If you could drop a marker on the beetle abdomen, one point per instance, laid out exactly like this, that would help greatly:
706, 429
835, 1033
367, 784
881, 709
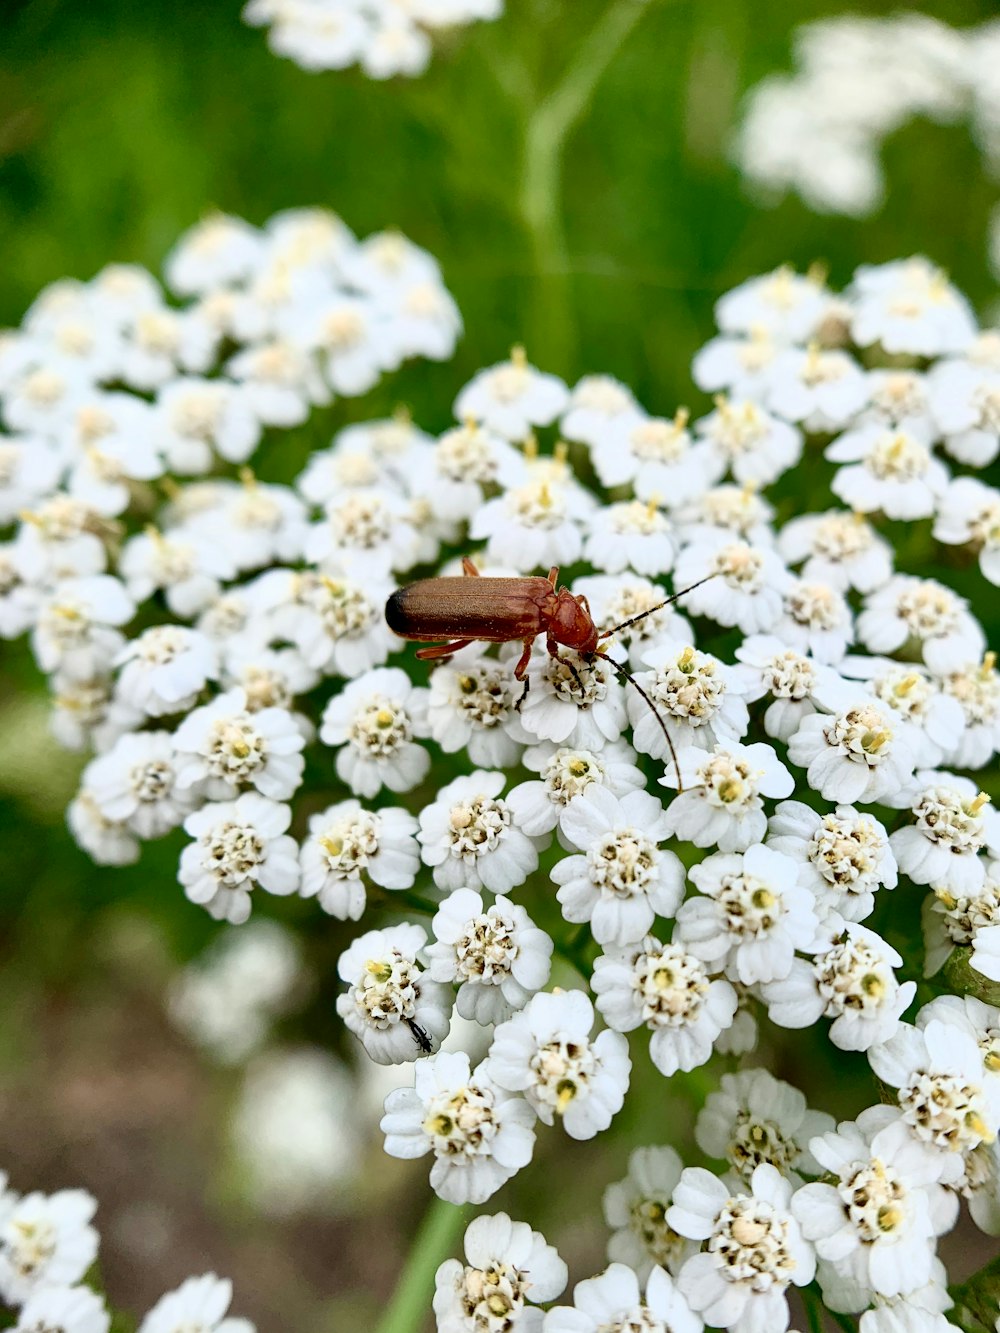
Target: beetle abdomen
497, 610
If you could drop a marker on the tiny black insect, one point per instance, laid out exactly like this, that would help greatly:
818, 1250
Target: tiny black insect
419, 1036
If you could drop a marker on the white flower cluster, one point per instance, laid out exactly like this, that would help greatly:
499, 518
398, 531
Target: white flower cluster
820, 130
47, 1245
384, 37
823, 711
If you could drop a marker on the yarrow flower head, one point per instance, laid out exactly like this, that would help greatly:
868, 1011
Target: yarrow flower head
483, 809
509, 1271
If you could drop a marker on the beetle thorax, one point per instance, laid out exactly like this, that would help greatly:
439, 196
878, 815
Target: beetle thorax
572, 624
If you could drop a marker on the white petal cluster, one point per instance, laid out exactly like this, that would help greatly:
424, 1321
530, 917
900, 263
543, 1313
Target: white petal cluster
734, 817
385, 38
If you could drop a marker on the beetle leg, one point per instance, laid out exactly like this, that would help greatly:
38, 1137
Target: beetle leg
468, 567
553, 575
553, 648
521, 672
442, 649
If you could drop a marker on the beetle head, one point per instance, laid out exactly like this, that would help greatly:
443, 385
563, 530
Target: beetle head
572, 624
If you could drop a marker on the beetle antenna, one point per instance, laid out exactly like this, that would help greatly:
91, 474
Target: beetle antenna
627, 675
634, 620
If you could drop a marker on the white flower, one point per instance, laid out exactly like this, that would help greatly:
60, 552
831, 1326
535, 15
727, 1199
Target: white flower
295, 1131
888, 470
971, 1016
953, 821
976, 686
185, 566
721, 801
564, 773
658, 457
948, 1101
877, 1222
512, 397
498, 955
200, 1303
29, 471
335, 621
573, 700
396, 1008
930, 722
985, 956
816, 619
270, 678
630, 535
239, 844
753, 917
624, 880
374, 719
844, 856
969, 513
46, 1240
213, 253
754, 1117
369, 528
197, 419
820, 389
750, 443
744, 366
471, 706
462, 462
854, 754
65, 1310
668, 989
910, 307
769, 667
346, 842
546, 1052
60, 539
697, 695
635, 1210
755, 1249
108, 842
784, 303
137, 782
744, 584
926, 613
223, 746
965, 405
480, 1134
949, 920
263, 524
614, 1303
75, 626
851, 980
469, 837
507, 1265
18, 598
597, 403
839, 548
227, 1000
279, 380
165, 669
535, 525
736, 511
616, 599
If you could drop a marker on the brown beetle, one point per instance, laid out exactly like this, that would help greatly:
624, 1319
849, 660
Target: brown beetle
471, 609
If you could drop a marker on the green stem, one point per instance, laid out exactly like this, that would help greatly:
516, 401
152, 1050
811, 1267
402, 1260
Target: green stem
410, 1307
541, 187
814, 1313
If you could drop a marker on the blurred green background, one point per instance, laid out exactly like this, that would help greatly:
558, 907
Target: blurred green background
121, 123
